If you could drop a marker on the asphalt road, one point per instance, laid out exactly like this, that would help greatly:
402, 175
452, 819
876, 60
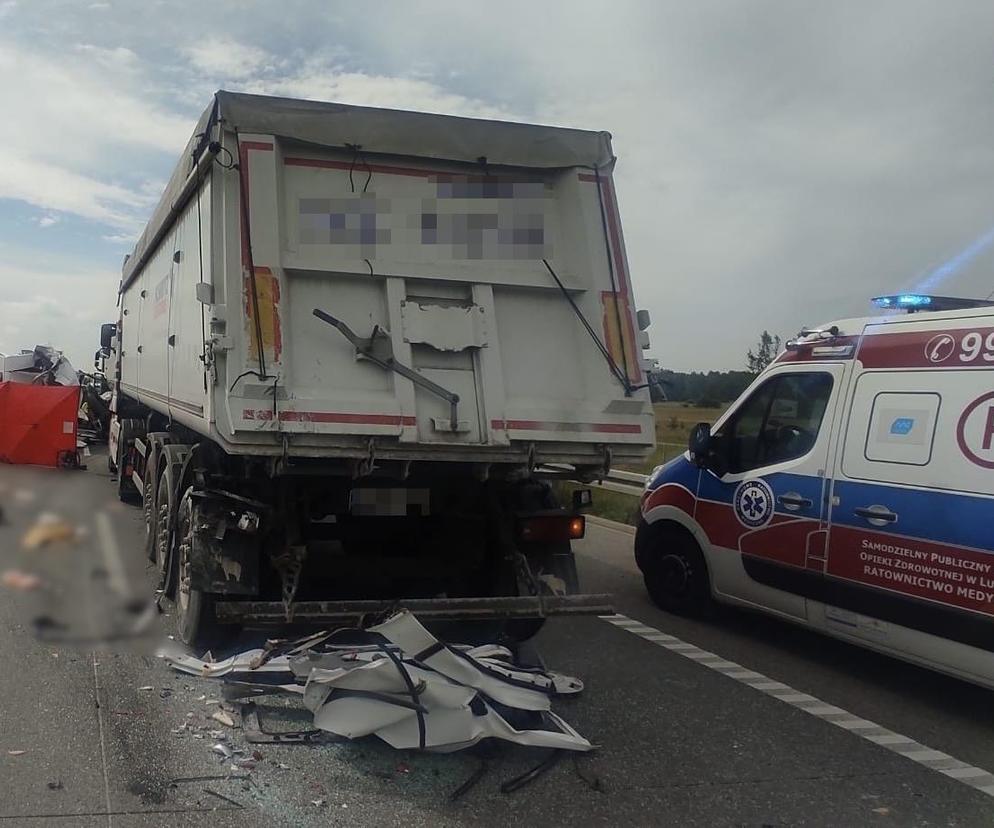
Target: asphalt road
109, 732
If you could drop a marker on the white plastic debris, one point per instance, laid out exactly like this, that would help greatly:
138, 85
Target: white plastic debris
224, 718
414, 693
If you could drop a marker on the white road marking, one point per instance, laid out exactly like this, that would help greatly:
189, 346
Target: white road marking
103, 741
976, 778
117, 578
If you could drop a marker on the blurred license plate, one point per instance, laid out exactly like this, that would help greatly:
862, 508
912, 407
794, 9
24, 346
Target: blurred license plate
388, 502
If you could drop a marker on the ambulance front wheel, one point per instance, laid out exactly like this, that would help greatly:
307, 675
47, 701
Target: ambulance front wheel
673, 568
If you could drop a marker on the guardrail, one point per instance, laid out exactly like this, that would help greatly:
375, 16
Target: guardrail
617, 480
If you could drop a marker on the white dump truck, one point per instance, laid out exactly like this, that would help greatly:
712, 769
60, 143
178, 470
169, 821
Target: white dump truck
353, 346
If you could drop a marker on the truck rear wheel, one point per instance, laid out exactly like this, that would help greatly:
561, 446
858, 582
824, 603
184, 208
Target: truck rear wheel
673, 568
195, 618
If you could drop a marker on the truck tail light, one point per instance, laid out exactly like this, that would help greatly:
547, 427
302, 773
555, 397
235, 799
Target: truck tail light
550, 528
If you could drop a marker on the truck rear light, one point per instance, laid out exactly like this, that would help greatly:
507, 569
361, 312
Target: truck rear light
551, 528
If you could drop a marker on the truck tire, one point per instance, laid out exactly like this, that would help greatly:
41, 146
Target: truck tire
155, 441
673, 568
126, 490
195, 619
164, 514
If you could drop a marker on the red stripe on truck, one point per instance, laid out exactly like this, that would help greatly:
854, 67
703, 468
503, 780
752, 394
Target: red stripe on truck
544, 425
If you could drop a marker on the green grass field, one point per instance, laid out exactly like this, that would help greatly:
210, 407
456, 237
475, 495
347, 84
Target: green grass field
674, 420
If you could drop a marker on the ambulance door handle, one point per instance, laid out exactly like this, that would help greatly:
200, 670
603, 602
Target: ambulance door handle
793, 501
876, 514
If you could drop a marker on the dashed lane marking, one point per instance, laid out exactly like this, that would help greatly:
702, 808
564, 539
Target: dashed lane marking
935, 760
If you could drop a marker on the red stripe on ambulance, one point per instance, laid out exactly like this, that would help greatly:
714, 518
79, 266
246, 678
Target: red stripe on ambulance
950, 575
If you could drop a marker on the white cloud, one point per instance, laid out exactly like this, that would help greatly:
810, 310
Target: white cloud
223, 57
66, 122
7, 7
326, 82
48, 220
73, 109
57, 303
120, 57
51, 187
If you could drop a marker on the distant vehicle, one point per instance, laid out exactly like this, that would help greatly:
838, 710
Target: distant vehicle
348, 338
849, 489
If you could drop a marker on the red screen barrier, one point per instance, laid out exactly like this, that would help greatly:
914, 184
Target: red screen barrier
37, 423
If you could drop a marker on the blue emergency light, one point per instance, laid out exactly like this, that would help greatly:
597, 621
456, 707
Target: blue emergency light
912, 302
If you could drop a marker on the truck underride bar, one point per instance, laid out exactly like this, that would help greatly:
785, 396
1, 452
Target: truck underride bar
435, 609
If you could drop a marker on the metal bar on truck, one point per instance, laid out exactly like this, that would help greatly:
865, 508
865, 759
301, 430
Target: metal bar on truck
526, 606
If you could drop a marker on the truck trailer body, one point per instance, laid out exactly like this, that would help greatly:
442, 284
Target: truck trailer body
349, 337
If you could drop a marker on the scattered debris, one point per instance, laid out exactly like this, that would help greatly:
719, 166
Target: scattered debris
223, 798
470, 783
56, 786
255, 735
214, 777
404, 686
318, 802
146, 689
511, 785
48, 529
224, 718
43, 365
223, 750
16, 752
21, 581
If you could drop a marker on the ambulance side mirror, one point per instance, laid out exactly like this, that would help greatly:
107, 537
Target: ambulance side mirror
699, 443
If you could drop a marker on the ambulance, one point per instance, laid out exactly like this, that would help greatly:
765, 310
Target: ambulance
849, 489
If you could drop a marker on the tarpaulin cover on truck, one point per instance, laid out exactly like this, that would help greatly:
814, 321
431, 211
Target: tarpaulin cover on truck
37, 423
378, 132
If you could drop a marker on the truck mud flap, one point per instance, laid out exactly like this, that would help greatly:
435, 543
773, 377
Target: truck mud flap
433, 609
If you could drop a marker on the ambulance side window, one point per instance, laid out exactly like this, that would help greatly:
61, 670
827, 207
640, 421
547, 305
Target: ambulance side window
778, 422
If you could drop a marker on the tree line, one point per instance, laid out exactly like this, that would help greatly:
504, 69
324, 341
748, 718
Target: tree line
714, 387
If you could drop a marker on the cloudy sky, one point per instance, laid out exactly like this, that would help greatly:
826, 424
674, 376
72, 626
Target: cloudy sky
779, 162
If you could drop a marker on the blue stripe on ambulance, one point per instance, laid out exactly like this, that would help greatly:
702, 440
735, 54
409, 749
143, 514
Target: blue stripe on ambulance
940, 517
805, 485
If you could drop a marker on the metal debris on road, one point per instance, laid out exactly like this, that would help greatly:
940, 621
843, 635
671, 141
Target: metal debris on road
223, 750
223, 798
404, 686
